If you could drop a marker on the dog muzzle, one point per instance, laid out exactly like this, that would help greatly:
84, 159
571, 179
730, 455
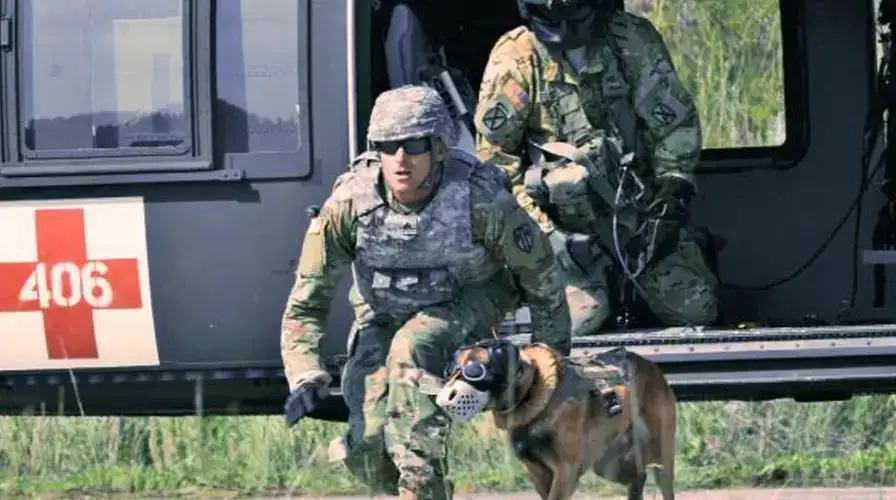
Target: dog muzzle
461, 401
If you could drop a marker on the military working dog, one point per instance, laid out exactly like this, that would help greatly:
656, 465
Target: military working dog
554, 412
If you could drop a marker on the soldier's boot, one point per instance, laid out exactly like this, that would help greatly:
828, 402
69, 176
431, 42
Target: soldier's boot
611, 400
368, 462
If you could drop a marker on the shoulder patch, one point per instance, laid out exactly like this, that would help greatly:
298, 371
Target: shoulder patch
504, 100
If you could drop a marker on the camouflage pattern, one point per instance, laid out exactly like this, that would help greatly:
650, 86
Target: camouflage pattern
411, 111
388, 387
530, 94
397, 435
438, 254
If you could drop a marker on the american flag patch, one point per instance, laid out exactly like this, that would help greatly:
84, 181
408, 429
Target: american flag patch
514, 93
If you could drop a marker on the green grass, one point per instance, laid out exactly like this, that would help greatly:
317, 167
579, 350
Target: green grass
728, 53
720, 444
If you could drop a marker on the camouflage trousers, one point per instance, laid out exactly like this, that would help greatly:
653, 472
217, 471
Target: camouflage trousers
679, 287
397, 440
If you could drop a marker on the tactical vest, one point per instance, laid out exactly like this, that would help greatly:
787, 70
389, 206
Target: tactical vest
405, 262
593, 375
584, 199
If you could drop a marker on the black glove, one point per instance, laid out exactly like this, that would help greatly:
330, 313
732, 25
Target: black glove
668, 213
301, 401
578, 249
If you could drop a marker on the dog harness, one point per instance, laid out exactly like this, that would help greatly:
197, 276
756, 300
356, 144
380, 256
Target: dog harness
559, 379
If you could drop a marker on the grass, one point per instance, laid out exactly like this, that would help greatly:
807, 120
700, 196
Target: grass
729, 54
720, 444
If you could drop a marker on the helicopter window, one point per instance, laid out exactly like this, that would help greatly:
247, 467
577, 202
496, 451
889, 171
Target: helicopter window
261, 111
104, 75
744, 62
257, 75
730, 56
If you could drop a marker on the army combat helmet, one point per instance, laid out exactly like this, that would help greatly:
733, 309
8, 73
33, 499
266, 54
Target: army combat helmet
409, 112
566, 24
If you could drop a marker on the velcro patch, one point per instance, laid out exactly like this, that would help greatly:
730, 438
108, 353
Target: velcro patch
515, 95
668, 113
496, 117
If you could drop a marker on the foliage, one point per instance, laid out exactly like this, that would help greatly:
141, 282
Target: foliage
728, 54
720, 444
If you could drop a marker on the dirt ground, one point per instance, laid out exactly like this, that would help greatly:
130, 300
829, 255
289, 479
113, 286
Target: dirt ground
743, 494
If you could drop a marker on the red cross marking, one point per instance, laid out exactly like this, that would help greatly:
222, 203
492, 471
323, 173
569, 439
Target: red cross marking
66, 286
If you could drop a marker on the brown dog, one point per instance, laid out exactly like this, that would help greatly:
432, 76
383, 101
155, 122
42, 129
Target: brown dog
555, 416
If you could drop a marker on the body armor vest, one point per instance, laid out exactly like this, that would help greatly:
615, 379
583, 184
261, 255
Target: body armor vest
602, 125
405, 262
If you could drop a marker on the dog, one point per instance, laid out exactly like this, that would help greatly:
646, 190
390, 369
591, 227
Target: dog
554, 412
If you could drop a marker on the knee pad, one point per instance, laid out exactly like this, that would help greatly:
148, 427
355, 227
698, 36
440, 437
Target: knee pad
587, 311
588, 322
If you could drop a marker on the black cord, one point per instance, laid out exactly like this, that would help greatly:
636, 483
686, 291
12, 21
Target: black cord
824, 246
872, 129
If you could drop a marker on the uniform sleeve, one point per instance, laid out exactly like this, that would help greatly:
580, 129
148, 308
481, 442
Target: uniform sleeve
327, 253
674, 135
514, 238
503, 113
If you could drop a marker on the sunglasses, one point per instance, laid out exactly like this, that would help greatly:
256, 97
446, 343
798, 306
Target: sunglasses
415, 146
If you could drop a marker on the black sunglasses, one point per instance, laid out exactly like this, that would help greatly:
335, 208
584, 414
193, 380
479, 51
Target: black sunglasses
415, 146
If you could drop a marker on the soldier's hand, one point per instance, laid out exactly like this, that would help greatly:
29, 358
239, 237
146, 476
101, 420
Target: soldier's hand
662, 238
673, 199
576, 249
301, 401
583, 249
669, 212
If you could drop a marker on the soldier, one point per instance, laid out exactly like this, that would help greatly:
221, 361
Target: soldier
582, 89
436, 241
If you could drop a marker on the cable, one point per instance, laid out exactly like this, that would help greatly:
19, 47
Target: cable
872, 129
642, 258
824, 246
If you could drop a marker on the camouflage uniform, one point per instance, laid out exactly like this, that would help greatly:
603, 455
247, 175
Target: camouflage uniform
426, 279
530, 94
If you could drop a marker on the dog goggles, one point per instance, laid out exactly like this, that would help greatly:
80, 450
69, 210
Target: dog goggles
473, 371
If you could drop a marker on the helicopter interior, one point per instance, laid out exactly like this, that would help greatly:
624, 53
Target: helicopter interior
409, 35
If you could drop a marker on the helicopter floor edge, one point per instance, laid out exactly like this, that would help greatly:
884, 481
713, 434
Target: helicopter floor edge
815, 363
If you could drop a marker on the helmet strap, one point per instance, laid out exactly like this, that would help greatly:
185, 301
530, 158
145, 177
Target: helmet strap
437, 166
